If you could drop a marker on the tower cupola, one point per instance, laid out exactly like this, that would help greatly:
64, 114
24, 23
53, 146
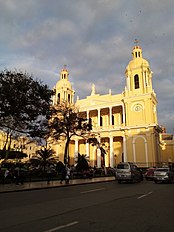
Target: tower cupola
137, 52
138, 74
64, 73
63, 89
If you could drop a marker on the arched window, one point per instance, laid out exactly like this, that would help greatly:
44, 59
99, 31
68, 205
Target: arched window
136, 81
69, 98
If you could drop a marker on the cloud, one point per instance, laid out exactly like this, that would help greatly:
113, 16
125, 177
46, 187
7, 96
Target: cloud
94, 39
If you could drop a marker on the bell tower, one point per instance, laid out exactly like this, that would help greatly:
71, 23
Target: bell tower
63, 89
138, 74
139, 96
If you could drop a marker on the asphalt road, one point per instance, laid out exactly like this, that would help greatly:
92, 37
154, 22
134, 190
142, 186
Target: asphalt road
139, 207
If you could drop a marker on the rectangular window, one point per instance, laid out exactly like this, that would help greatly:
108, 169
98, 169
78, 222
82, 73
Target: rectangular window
112, 119
101, 121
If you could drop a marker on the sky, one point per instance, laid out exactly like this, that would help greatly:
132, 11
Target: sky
94, 38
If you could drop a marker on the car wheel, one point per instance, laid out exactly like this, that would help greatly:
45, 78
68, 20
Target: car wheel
119, 181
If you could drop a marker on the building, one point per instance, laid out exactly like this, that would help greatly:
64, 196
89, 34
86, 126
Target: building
125, 124
167, 147
22, 144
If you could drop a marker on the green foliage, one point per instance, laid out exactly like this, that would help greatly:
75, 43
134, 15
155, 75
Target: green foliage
66, 122
12, 155
24, 103
44, 156
59, 166
82, 163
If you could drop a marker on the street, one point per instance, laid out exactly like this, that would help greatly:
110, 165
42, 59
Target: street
140, 207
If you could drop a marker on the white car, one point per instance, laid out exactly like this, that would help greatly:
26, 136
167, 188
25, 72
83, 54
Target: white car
165, 174
128, 172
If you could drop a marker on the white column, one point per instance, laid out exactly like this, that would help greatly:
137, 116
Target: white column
87, 150
129, 83
76, 150
111, 152
98, 158
147, 80
98, 117
134, 154
119, 119
98, 155
107, 121
93, 156
87, 114
123, 107
110, 116
144, 82
124, 149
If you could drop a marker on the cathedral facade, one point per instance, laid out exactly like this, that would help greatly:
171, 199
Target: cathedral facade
125, 124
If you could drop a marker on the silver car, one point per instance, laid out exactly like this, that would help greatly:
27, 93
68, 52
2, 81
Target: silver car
128, 172
165, 174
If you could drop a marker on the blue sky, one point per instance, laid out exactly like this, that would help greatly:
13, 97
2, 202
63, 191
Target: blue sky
94, 38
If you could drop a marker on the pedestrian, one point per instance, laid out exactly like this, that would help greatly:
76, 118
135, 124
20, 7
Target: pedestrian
6, 175
63, 174
17, 175
68, 173
22, 175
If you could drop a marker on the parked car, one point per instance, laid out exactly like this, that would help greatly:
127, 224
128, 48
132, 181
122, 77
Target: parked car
128, 172
164, 174
149, 174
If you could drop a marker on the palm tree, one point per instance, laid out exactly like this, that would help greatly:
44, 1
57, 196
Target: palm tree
82, 163
44, 156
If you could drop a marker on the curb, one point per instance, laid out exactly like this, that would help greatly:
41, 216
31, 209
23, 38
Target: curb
53, 186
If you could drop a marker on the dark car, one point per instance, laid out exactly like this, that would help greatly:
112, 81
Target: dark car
149, 174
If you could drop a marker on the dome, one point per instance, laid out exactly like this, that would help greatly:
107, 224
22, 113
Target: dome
63, 83
137, 61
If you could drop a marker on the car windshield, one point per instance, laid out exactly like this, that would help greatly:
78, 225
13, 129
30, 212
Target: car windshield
162, 169
151, 170
122, 166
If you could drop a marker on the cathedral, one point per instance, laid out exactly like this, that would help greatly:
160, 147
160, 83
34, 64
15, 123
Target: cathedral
125, 124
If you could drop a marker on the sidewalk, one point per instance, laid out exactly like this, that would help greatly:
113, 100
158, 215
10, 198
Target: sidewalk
28, 186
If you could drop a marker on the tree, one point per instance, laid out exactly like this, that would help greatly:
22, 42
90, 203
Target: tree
12, 155
24, 104
82, 163
44, 156
67, 122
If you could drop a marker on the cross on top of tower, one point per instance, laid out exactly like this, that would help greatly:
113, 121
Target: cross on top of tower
64, 67
136, 42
